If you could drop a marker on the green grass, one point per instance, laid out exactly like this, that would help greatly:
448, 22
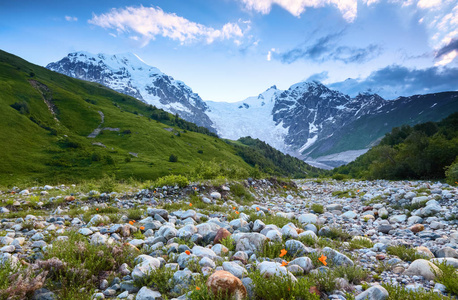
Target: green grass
282, 287
359, 243
448, 276
406, 254
318, 208
38, 149
229, 243
81, 263
344, 194
160, 279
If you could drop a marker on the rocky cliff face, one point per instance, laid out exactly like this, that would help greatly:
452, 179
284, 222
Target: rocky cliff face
127, 74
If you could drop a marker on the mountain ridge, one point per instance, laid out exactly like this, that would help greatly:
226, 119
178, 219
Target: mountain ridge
308, 120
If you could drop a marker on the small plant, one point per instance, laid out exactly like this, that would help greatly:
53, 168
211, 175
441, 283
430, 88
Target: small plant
273, 250
448, 277
318, 208
172, 180
324, 280
228, 243
135, 213
354, 274
361, 242
160, 279
173, 157
282, 287
404, 253
239, 191
337, 233
338, 176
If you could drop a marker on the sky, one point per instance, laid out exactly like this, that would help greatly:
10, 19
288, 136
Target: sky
228, 50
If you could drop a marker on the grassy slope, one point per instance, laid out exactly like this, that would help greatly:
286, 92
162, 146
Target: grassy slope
33, 152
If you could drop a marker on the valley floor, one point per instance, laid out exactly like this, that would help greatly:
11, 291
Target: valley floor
256, 239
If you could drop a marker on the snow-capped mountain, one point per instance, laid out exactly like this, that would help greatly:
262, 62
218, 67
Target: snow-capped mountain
322, 126
128, 74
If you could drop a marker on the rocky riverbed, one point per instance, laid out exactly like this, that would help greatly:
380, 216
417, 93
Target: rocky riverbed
315, 238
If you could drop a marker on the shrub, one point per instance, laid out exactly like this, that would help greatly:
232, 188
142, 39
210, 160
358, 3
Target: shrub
281, 287
200, 151
134, 213
172, 180
318, 208
96, 156
107, 184
448, 277
359, 243
451, 173
21, 107
404, 253
337, 233
173, 158
354, 274
338, 176
228, 243
160, 279
272, 250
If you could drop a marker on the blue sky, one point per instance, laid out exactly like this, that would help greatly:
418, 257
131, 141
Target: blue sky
228, 50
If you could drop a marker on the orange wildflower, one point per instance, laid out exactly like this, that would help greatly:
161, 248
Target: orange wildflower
187, 252
283, 252
323, 259
131, 223
233, 207
284, 263
357, 191
142, 227
190, 204
257, 208
284, 186
96, 209
237, 212
197, 288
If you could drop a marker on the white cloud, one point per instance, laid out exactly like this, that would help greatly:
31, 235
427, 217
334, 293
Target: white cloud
429, 3
446, 59
71, 19
269, 54
348, 8
149, 22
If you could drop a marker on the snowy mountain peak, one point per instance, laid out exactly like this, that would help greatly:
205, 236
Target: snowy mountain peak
128, 74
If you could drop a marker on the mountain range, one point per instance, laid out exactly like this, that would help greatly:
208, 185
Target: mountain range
321, 126
59, 129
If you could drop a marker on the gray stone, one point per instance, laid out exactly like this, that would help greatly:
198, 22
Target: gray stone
308, 218
422, 267
447, 252
349, 215
249, 241
235, 269
376, 292
147, 294
304, 262
215, 195
398, 218
295, 248
334, 206
337, 258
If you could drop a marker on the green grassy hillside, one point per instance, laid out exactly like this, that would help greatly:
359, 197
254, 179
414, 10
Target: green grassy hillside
47, 117
425, 151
